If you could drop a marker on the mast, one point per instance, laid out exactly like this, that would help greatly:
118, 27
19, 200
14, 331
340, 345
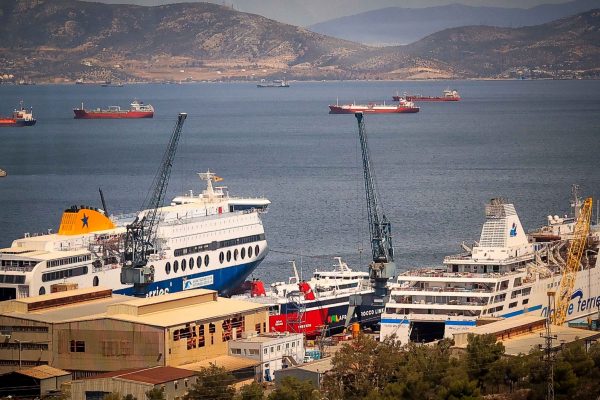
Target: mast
141, 233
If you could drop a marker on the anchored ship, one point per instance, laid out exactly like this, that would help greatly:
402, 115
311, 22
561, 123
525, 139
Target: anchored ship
20, 117
449, 95
278, 83
373, 108
505, 274
137, 110
208, 240
317, 306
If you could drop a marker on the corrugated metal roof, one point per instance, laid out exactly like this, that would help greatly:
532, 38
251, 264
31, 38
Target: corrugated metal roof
323, 365
157, 375
230, 363
43, 372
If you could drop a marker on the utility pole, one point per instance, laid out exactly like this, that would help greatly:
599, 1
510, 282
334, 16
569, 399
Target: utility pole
548, 356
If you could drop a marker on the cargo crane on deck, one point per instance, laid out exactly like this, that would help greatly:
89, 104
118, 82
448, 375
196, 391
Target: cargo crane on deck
140, 236
567, 282
382, 266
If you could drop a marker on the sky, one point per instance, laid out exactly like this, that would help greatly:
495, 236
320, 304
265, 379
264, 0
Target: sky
307, 12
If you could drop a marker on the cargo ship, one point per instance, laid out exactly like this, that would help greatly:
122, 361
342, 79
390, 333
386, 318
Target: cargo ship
318, 306
20, 117
204, 240
137, 110
403, 106
273, 84
504, 274
449, 95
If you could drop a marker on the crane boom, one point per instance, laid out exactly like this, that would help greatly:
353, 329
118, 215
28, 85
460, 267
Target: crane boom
567, 282
141, 233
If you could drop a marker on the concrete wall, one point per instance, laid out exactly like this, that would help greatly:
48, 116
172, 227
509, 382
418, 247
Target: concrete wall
55, 383
300, 374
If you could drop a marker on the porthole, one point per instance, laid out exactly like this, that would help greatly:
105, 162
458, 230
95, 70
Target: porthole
256, 250
221, 257
191, 262
42, 290
168, 268
243, 253
199, 261
235, 254
96, 281
183, 264
249, 251
228, 255
175, 266
206, 260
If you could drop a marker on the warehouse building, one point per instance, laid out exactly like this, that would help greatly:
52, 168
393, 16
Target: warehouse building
91, 331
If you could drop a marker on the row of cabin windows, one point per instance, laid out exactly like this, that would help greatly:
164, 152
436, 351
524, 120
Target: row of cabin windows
7, 329
242, 254
186, 263
65, 273
218, 245
17, 263
68, 260
19, 279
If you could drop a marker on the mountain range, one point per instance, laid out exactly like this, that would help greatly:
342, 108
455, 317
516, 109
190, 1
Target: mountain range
397, 25
64, 40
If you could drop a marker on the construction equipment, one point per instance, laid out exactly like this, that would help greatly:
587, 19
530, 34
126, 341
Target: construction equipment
382, 267
567, 282
141, 233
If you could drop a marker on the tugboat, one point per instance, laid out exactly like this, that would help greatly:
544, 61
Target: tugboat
403, 106
449, 95
20, 117
137, 110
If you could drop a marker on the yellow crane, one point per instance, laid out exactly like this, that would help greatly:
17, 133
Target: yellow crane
567, 282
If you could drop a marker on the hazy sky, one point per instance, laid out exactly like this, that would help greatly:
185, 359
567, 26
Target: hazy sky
307, 12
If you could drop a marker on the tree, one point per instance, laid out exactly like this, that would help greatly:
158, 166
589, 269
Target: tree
129, 397
213, 383
253, 391
291, 388
482, 351
112, 396
156, 394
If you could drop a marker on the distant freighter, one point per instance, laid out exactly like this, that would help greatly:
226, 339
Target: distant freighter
372, 108
20, 117
449, 95
137, 110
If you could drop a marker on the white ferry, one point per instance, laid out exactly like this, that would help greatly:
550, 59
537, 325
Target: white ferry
209, 240
506, 273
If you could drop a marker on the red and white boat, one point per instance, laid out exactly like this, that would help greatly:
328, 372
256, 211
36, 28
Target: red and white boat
403, 106
137, 110
20, 117
316, 306
449, 95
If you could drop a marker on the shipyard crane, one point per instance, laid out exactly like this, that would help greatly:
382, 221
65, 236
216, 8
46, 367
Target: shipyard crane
140, 236
382, 266
567, 282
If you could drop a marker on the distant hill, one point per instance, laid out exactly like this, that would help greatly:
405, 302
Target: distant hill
396, 25
64, 40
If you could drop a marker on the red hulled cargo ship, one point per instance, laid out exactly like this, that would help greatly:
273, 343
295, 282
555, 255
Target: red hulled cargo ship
372, 108
137, 110
449, 95
318, 306
20, 117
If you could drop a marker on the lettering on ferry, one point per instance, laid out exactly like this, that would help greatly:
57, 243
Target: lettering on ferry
157, 292
196, 283
578, 304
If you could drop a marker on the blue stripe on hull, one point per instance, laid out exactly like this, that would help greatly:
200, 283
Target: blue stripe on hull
224, 280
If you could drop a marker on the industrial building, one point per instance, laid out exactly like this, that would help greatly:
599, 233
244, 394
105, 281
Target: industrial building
91, 331
313, 372
33, 382
275, 351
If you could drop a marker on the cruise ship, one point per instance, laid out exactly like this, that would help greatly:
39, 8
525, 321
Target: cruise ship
207, 240
505, 274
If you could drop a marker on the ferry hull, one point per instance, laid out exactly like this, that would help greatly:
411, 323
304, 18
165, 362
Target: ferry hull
83, 114
10, 122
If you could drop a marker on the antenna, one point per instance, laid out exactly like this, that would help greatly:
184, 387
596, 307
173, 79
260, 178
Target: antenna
103, 202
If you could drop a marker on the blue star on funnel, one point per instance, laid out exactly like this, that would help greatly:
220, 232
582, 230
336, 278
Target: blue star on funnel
85, 221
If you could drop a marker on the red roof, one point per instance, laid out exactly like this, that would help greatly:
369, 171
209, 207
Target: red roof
155, 375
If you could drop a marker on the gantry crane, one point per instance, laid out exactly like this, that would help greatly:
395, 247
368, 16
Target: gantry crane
567, 282
382, 266
140, 236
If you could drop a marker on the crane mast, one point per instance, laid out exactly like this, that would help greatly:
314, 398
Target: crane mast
382, 266
567, 282
140, 236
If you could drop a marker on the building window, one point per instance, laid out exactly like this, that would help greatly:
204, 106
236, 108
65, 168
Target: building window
201, 336
293, 344
243, 253
287, 345
221, 257
175, 266
77, 346
236, 351
257, 328
183, 264
206, 260
191, 262
168, 268
228, 255
266, 351
278, 347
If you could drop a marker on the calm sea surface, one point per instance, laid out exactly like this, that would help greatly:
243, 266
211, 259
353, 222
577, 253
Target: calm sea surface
527, 141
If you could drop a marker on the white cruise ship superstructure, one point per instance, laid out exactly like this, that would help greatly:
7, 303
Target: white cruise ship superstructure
506, 273
208, 240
